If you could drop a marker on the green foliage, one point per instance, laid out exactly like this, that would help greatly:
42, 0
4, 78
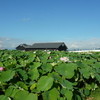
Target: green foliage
52, 94
5, 76
33, 74
44, 83
67, 93
3, 97
42, 75
66, 70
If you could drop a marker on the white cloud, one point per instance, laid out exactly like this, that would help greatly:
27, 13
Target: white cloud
11, 43
0, 44
84, 44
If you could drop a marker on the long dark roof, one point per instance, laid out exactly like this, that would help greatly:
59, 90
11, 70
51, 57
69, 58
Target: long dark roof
47, 45
25, 45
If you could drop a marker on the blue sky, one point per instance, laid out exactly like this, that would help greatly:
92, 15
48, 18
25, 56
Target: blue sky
70, 21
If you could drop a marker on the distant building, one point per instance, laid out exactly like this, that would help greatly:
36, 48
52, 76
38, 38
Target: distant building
23, 47
43, 46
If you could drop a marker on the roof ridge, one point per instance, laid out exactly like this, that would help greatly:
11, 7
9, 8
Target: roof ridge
49, 42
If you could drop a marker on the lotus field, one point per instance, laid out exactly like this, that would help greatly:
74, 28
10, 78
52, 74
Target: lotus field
49, 75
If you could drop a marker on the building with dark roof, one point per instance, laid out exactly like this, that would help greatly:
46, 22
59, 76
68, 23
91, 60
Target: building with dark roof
43, 46
23, 46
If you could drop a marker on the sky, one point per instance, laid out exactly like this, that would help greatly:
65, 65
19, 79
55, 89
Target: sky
75, 22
